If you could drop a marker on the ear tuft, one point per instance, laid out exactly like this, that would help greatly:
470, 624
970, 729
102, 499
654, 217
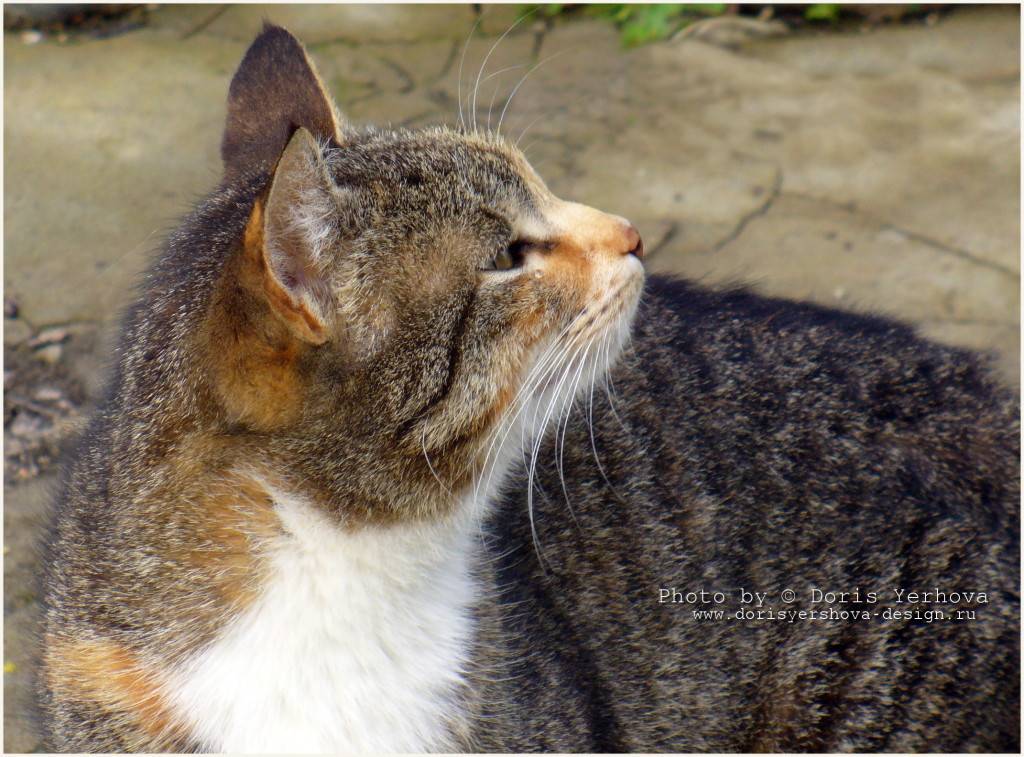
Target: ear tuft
275, 91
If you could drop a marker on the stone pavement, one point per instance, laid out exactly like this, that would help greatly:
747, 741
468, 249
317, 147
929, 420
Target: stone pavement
874, 171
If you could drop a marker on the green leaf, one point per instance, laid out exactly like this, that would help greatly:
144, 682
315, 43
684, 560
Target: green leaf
822, 12
640, 23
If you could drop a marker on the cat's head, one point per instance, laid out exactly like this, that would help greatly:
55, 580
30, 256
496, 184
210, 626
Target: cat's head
399, 296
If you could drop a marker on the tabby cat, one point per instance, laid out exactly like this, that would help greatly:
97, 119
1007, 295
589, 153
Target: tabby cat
336, 498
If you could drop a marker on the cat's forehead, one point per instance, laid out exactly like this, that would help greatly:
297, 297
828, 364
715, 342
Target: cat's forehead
440, 157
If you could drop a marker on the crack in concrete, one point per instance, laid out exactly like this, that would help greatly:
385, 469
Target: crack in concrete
202, 25
954, 251
935, 244
408, 83
448, 64
670, 234
759, 211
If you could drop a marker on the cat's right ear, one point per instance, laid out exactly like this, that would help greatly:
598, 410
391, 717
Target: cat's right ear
275, 91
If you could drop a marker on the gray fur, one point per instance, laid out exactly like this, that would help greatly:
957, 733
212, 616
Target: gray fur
765, 444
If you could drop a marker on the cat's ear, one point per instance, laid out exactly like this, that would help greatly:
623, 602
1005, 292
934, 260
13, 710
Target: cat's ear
287, 237
275, 91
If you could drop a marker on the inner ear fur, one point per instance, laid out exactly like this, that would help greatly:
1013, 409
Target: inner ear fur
275, 91
286, 237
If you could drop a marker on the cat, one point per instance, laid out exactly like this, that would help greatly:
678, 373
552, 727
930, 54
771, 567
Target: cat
337, 497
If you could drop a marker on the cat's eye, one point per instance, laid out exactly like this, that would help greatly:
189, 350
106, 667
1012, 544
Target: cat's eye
511, 257
502, 261
514, 256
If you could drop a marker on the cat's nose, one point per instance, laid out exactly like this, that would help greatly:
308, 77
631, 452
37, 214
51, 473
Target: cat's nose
629, 242
634, 243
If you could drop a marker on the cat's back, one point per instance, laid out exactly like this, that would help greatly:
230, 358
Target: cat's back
819, 400
760, 444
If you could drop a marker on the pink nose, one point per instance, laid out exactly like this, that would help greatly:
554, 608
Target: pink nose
633, 244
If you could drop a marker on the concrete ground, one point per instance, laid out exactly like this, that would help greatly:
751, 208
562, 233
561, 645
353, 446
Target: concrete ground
874, 171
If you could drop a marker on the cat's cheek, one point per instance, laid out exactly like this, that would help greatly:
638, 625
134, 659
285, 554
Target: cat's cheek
562, 282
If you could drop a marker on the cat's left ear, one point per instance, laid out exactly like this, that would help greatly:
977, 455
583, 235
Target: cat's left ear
275, 91
288, 237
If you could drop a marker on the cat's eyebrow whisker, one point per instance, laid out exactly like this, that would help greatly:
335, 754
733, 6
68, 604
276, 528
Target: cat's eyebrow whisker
483, 66
523, 80
501, 71
529, 126
462, 61
490, 105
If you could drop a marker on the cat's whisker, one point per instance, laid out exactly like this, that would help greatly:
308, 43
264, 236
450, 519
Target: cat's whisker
570, 343
551, 360
611, 406
483, 66
541, 374
580, 344
606, 378
571, 400
568, 105
533, 377
605, 354
512, 422
538, 440
426, 456
494, 94
557, 395
462, 61
539, 367
559, 362
522, 81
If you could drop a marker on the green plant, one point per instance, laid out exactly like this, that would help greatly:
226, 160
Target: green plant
823, 12
641, 23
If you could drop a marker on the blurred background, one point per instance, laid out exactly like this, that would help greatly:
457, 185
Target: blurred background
864, 157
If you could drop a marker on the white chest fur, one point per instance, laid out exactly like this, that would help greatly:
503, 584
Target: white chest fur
358, 643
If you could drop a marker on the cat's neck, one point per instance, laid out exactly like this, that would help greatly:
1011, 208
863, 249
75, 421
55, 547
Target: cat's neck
386, 612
